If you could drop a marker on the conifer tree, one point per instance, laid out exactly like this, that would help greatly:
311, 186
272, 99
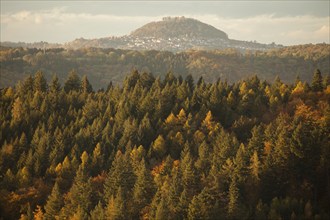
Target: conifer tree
194, 210
116, 207
80, 200
86, 87
54, 203
38, 213
121, 175
40, 83
98, 213
144, 187
233, 195
54, 86
162, 210
317, 82
72, 83
159, 147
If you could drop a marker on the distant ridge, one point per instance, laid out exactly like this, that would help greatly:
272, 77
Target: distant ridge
170, 34
179, 27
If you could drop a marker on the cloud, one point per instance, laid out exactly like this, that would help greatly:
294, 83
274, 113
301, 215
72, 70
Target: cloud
59, 25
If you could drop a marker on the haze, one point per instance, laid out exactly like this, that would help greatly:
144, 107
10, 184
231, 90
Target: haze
287, 23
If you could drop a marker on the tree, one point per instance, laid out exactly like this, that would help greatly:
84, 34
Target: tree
26, 87
55, 86
189, 176
97, 159
233, 195
80, 194
317, 82
98, 213
261, 211
17, 110
202, 205
40, 83
86, 87
121, 175
38, 213
54, 203
190, 81
159, 147
162, 210
72, 83
143, 188
116, 207
194, 210
255, 166
256, 142
203, 162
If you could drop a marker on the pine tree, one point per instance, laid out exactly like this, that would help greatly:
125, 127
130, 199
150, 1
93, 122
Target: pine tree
159, 147
203, 162
255, 166
54, 86
143, 189
317, 82
175, 190
72, 83
97, 160
17, 110
194, 210
189, 176
116, 207
79, 214
121, 175
86, 87
202, 205
256, 142
80, 194
40, 83
233, 195
26, 88
38, 213
162, 210
98, 213
54, 203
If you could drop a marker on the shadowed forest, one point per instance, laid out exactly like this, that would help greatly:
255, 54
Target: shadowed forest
104, 65
167, 148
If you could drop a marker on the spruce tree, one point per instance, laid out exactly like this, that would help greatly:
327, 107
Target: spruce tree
144, 187
54, 203
40, 83
86, 87
98, 213
73, 82
317, 81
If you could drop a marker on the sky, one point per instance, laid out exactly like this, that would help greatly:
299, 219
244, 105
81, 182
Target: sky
282, 22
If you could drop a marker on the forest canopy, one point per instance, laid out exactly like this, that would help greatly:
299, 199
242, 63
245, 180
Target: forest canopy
105, 65
165, 148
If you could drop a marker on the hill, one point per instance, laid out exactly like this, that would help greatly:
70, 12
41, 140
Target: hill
179, 27
174, 34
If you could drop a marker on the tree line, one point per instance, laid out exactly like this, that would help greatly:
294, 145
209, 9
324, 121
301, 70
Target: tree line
105, 65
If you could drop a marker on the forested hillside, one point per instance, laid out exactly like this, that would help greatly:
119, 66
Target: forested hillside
105, 65
166, 148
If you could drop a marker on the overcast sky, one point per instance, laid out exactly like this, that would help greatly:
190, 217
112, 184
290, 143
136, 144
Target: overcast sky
282, 22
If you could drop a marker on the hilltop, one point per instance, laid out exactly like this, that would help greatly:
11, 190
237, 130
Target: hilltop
178, 27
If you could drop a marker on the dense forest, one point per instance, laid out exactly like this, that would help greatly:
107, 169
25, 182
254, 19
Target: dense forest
167, 148
104, 65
